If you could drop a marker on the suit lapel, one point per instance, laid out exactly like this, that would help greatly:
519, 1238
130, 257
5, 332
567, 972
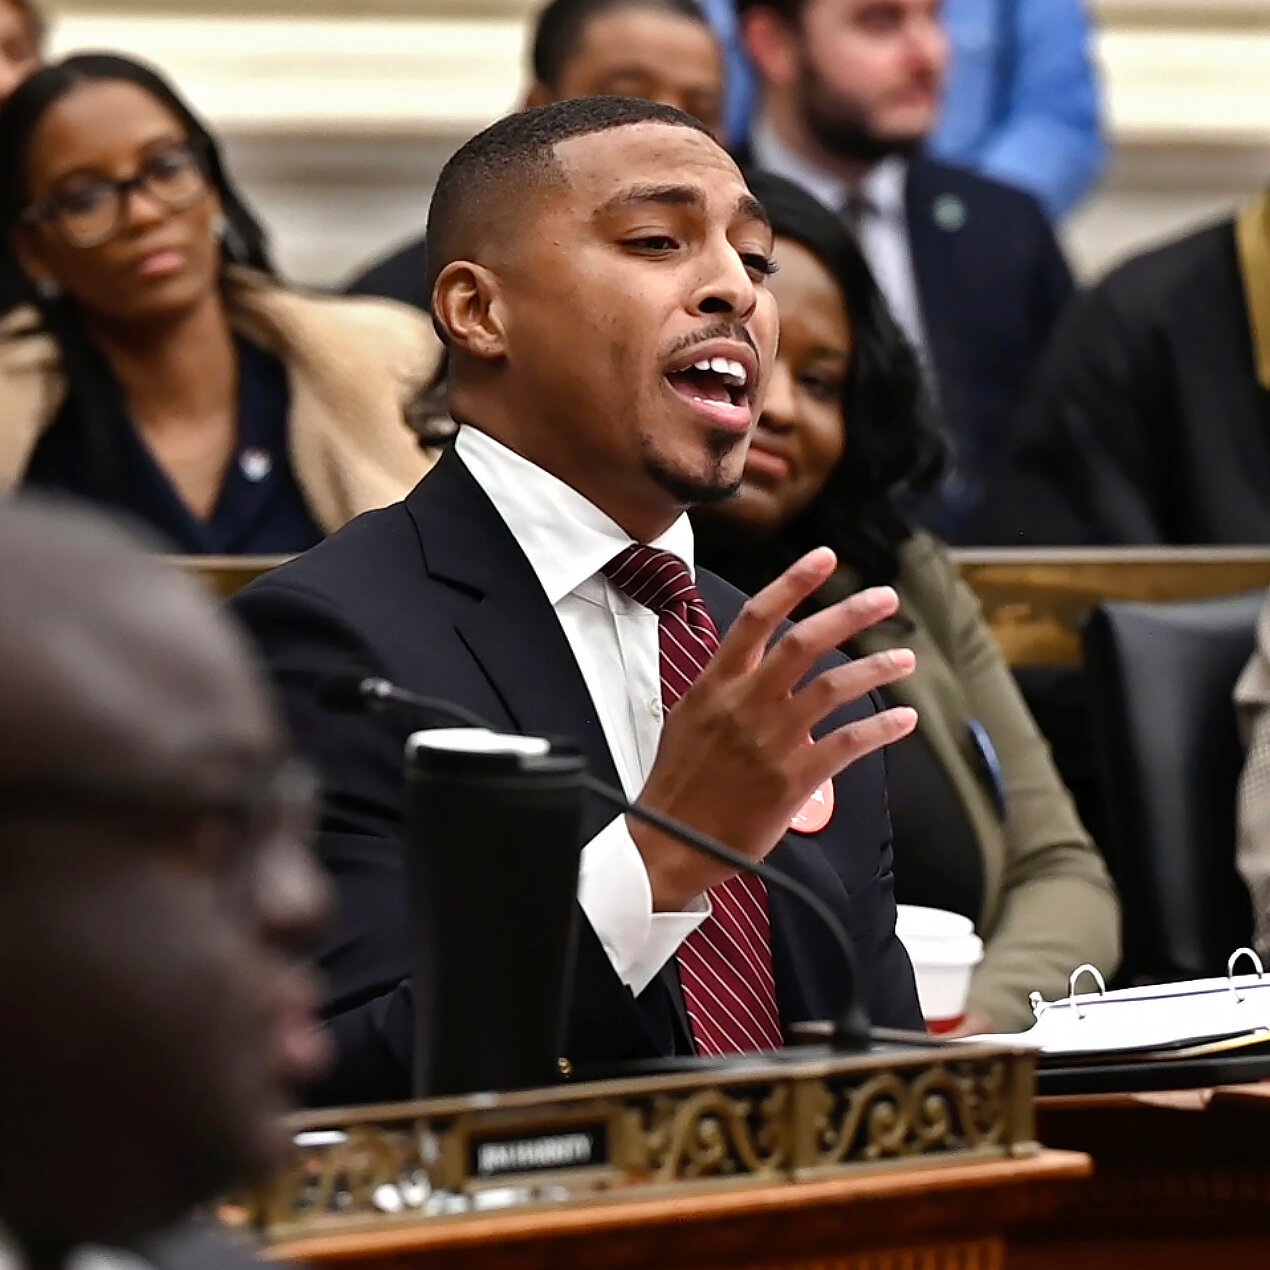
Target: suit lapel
510, 627
515, 638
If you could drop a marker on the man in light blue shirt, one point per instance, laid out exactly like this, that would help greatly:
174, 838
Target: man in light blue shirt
1021, 102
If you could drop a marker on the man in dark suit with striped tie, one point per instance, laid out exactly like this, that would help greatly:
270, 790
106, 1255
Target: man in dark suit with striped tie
598, 270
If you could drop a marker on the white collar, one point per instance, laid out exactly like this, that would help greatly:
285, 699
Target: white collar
883, 186
566, 538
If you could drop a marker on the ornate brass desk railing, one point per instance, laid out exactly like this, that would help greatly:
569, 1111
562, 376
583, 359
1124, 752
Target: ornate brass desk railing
807, 1114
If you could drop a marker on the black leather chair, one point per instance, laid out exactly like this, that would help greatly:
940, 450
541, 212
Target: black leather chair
1165, 735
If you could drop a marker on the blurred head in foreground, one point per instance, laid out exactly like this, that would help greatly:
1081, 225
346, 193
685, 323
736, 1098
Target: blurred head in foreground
156, 894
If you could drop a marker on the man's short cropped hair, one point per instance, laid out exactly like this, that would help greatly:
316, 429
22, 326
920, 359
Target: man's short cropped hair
562, 26
487, 187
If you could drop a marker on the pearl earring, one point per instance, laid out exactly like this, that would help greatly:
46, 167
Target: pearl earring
49, 288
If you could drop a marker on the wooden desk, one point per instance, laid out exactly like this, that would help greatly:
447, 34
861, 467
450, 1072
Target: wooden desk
1035, 601
956, 1217
1180, 1180
227, 575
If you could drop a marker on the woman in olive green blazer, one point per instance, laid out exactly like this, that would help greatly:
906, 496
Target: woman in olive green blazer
983, 825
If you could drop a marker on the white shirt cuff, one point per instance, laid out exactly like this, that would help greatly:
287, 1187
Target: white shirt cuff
616, 896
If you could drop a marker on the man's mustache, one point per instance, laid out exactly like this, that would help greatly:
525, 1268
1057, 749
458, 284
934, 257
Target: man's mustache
717, 331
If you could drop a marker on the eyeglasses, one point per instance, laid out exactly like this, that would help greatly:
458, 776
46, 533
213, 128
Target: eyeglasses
280, 804
90, 211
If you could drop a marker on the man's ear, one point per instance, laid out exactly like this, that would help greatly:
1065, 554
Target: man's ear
538, 95
467, 304
772, 44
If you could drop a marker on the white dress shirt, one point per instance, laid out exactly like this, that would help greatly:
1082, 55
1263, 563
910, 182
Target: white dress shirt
568, 540
882, 229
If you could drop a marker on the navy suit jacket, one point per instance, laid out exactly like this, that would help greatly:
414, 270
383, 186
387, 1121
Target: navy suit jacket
992, 281
435, 594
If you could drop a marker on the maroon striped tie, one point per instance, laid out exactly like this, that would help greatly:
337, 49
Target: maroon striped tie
725, 965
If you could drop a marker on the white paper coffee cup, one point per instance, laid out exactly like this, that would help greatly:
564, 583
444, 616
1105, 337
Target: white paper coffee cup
944, 951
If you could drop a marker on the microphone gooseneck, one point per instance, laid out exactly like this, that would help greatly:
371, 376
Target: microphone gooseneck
353, 691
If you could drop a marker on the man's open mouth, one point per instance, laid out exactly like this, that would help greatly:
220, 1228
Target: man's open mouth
713, 380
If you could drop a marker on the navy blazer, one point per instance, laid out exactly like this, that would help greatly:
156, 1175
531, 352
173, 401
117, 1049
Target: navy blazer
992, 281
435, 594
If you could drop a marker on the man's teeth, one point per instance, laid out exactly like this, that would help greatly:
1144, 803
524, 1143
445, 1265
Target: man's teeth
724, 367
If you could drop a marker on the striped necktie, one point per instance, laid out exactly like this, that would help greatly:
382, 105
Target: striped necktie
725, 965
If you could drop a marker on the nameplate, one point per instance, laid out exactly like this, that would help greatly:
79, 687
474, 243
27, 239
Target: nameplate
582, 1148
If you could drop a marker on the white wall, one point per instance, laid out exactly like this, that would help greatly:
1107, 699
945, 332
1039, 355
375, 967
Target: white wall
339, 113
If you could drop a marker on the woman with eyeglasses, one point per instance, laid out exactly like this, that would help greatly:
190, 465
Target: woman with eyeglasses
158, 366
844, 447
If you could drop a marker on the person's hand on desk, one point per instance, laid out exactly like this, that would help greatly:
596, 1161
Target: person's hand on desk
736, 760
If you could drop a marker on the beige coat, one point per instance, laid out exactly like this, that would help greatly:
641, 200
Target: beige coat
353, 368
1048, 902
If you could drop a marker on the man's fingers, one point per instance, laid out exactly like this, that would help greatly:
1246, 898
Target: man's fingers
835, 688
801, 647
854, 741
743, 646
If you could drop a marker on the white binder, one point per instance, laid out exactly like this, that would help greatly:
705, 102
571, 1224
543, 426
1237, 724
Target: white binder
1169, 1020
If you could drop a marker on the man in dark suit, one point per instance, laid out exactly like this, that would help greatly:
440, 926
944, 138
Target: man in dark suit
971, 267
661, 50
155, 889
598, 273
1150, 421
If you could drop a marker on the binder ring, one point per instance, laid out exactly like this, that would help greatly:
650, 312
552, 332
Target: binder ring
1087, 969
1234, 961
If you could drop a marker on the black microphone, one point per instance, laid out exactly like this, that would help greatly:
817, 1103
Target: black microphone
351, 692
851, 1031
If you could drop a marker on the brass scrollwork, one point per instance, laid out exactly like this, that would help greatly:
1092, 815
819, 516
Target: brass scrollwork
712, 1134
368, 1172
775, 1122
891, 1116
